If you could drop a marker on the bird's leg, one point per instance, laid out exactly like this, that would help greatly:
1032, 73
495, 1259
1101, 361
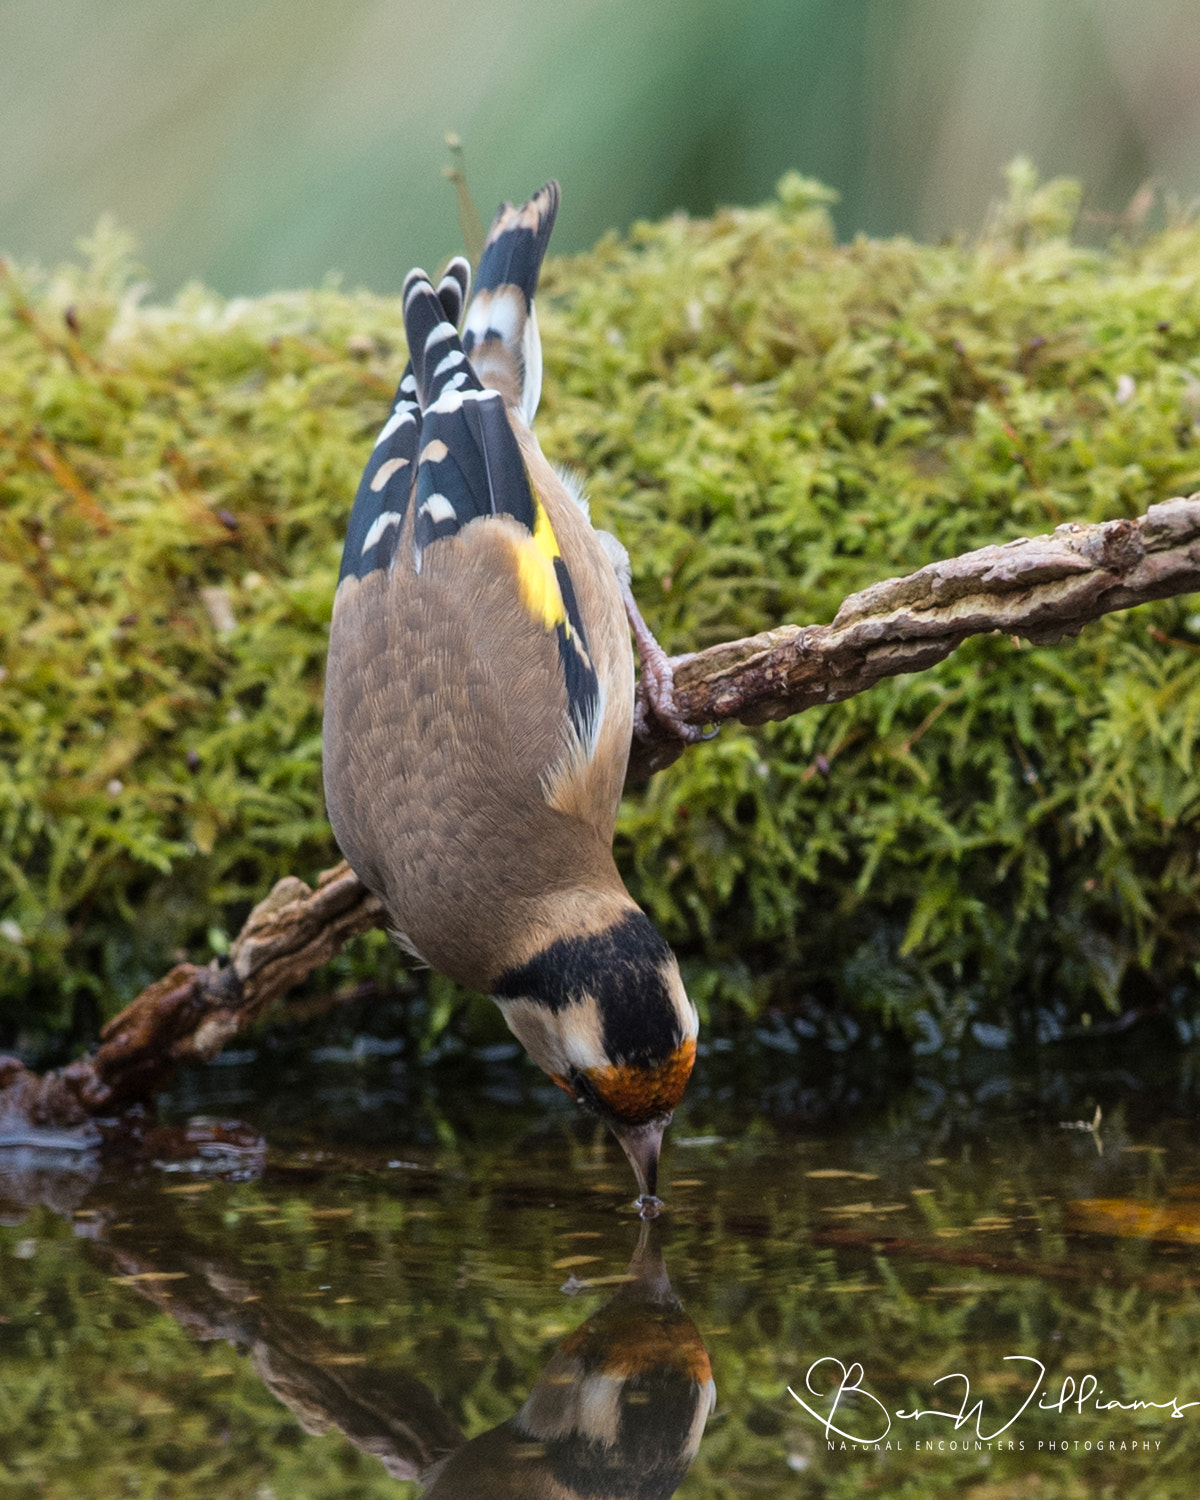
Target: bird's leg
659, 730
656, 678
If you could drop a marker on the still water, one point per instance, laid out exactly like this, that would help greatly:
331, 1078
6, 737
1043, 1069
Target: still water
393, 1279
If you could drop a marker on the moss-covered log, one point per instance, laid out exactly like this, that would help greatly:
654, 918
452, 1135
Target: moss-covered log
192, 1012
770, 422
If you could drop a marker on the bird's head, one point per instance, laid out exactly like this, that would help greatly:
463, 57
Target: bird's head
605, 1014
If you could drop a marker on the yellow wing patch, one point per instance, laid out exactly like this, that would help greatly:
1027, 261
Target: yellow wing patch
536, 577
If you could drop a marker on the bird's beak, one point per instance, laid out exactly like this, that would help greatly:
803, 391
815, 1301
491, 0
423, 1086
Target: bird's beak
641, 1144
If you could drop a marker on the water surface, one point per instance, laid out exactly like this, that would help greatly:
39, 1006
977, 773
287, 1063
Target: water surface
435, 1277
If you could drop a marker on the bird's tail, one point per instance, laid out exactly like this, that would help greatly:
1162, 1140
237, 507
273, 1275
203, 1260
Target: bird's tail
501, 332
381, 503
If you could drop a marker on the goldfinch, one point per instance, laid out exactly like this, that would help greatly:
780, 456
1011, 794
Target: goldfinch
618, 1412
479, 706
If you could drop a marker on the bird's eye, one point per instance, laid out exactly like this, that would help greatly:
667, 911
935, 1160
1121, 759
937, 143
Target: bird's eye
586, 1091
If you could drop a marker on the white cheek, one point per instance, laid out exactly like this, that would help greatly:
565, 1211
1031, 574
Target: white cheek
561, 1044
579, 1026
689, 1019
527, 1022
600, 1407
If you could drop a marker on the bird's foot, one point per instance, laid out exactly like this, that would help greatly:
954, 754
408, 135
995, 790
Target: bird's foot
648, 1205
654, 706
655, 709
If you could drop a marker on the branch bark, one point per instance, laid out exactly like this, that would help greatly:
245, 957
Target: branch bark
192, 1012
1042, 588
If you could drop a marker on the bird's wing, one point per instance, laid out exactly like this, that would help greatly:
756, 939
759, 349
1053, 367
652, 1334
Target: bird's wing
377, 517
501, 333
470, 469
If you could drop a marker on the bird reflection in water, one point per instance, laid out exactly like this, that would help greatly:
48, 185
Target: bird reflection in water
617, 1412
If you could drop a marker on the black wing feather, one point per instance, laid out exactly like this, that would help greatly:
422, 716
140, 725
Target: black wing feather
516, 244
381, 502
470, 464
470, 467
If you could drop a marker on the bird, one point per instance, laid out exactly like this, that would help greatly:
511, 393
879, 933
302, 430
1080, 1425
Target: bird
480, 701
618, 1411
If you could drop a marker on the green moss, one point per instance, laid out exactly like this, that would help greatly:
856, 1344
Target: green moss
769, 421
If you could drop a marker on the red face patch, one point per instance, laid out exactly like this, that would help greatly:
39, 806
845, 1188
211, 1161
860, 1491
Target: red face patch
636, 1095
628, 1339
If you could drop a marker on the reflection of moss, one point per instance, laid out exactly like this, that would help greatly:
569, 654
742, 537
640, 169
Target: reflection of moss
453, 1279
102, 1388
769, 421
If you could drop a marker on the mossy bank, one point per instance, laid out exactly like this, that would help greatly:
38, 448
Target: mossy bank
1005, 845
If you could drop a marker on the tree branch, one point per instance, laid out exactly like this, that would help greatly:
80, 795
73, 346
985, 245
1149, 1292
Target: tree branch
190, 1014
1043, 588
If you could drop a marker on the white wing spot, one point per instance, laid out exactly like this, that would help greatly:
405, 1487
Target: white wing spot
378, 527
394, 424
433, 452
450, 400
439, 333
438, 509
385, 472
455, 357
414, 284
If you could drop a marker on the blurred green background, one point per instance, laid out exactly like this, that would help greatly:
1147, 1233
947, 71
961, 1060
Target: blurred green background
256, 144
